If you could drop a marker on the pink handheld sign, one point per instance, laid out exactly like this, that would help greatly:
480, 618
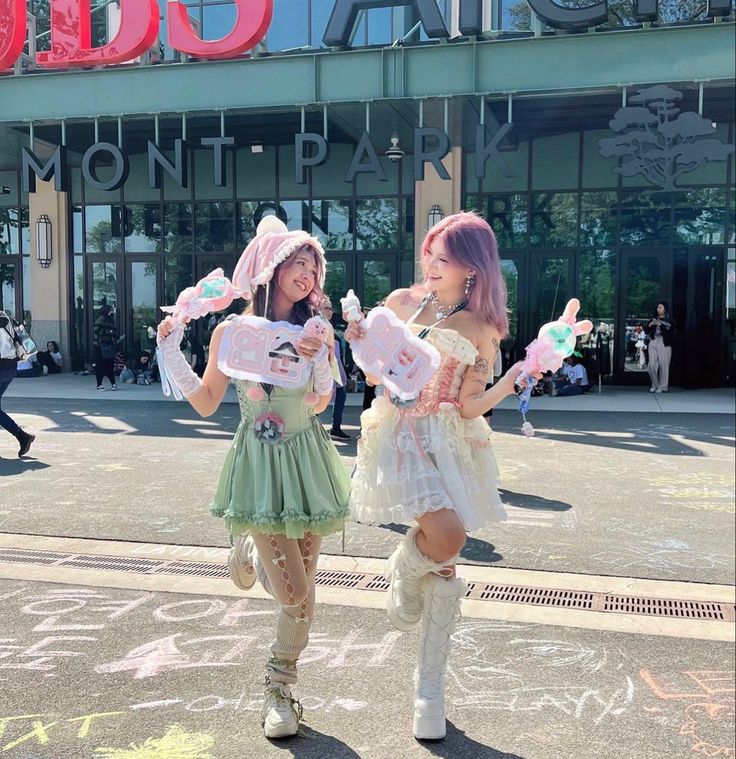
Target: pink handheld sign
403, 362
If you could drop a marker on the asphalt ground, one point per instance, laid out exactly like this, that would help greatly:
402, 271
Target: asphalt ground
639, 495
100, 673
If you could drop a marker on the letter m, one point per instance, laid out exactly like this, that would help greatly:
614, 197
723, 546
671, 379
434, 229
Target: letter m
55, 167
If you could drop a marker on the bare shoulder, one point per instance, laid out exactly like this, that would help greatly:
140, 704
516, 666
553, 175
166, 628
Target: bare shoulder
483, 335
403, 302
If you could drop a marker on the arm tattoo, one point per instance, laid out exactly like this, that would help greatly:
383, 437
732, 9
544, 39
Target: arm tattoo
495, 342
407, 300
481, 366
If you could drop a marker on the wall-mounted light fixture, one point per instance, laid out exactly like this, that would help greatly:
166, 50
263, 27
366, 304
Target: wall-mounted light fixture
435, 216
44, 252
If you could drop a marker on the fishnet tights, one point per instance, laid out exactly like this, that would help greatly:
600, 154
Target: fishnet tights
290, 566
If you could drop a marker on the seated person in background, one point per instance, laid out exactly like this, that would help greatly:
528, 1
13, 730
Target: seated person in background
196, 349
574, 379
127, 375
28, 367
142, 369
50, 360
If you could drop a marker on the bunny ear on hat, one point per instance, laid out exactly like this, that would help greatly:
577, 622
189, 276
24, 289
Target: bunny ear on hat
250, 263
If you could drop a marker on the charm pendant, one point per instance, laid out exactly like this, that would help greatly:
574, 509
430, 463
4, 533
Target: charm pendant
396, 401
269, 428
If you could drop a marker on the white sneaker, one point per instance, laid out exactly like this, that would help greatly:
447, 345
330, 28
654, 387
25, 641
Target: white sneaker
652, 389
280, 713
658, 390
240, 562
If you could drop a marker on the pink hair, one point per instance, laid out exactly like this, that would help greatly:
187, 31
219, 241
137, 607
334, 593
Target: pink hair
469, 241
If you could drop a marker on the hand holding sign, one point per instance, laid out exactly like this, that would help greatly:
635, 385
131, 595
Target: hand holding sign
389, 350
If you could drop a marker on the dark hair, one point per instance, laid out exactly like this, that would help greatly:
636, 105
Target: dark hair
55, 344
303, 309
105, 309
666, 307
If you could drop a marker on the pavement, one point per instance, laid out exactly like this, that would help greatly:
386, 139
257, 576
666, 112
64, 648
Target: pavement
101, 656
609, 398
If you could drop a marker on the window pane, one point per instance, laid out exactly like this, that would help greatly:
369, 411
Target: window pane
598, 218
596, 285
178, 227
215, 226
555, 162
376, 282
143, 229
143, 276
379, 26
377, 223
9, 232
177, 276
297, 214
104, 286
551, 289
554, 219
700, 217
103, 229
407, 237
7, 289
515, 15
646, 218
336, 281
331, 224
79, 345
510, 273
77, 231
507, 215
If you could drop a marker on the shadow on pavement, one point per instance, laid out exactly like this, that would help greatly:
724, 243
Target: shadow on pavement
311, 744
10, 467
526, 501
457, 744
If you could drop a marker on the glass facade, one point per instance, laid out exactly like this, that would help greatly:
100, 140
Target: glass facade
15, 247
619, 248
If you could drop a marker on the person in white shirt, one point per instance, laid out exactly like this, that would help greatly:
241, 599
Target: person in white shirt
575, 377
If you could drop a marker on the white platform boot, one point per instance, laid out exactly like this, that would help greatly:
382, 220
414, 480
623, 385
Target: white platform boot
280, 712
406, 569
441, 614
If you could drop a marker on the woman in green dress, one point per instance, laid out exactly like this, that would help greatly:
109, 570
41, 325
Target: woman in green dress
283, 485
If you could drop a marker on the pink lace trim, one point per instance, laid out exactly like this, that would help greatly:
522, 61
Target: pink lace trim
442, 389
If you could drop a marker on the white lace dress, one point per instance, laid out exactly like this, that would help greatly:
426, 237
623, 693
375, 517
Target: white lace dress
427, 457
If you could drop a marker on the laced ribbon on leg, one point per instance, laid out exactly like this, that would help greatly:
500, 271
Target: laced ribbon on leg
309, 547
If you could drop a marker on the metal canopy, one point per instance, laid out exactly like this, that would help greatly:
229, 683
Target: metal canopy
532, 65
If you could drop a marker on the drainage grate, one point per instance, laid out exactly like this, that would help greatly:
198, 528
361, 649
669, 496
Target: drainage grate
567, 599
665, 607
519, 594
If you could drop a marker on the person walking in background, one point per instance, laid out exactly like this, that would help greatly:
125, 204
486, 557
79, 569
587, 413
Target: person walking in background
105, 344
660, 348
8, 363
341, 393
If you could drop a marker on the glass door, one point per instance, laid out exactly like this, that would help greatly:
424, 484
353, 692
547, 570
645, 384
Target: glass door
551, 279
105, 283
142, 298
697, 308
512, 270
376, 278
644, 279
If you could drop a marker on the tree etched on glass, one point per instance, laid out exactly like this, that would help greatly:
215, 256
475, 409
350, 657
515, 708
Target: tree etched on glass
658, 142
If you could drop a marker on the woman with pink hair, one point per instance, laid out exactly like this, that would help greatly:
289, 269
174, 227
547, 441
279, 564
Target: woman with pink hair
431, 464
283, 485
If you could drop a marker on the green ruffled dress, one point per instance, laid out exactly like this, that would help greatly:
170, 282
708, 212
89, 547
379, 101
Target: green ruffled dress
287, 488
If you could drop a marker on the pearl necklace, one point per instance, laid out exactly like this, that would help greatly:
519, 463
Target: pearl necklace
442, 312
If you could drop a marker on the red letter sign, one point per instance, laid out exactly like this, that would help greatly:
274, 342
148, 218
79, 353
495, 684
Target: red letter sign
251, 25
71, 34
12, 31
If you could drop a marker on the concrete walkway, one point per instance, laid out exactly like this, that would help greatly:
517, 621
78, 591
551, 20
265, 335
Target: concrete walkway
621, 399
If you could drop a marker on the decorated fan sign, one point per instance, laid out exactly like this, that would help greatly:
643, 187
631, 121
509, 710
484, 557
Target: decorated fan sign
214, 292
256, 349
403, 362
555, 342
